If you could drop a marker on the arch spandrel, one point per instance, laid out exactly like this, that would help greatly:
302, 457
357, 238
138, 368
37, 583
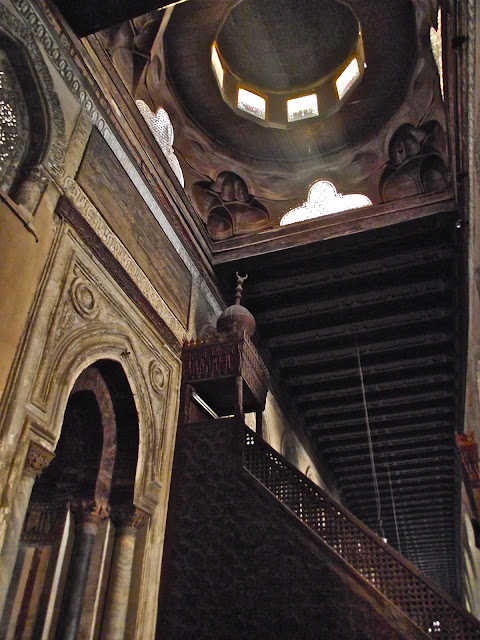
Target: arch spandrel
68, 334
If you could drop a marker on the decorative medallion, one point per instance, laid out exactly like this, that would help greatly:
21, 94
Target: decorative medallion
83, 299
157, 375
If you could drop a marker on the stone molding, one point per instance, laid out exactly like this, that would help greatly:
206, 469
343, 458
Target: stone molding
93, 217
82, 315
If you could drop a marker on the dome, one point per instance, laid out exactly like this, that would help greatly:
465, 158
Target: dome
236, 318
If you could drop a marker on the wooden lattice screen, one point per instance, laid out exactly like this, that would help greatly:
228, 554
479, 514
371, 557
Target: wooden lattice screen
404, 585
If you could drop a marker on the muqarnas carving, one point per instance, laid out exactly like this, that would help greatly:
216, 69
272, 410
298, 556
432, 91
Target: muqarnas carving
416, 162
227, 208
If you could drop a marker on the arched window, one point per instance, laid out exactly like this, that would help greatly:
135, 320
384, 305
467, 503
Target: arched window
322, 200
14, 126
436, 45
160, 125
32, 127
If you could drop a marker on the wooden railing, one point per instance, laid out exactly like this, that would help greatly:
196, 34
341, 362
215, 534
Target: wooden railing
396, 578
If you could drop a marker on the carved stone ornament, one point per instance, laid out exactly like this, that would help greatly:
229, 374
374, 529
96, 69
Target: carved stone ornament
53, 155
127, 515
416, 162
32, 187
468, 448
83, 299
90, 510
227, 208
37, 459
158, 378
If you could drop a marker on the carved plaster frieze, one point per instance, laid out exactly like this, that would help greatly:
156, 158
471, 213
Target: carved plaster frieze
77, 144
72, 79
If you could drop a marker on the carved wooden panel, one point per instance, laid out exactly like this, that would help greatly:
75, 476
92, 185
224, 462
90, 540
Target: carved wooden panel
235, 569
209, 364
107, 184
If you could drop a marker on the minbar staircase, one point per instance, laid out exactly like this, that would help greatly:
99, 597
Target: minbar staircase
254, 548
385, 569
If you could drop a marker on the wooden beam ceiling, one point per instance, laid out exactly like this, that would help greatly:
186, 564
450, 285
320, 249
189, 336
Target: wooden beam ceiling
396, 291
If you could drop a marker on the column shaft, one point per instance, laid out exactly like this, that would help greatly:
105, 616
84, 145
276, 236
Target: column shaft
116, 605
12, 535
69, 621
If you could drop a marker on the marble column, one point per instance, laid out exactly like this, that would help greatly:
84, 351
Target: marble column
127, 521
37, 459
88, 514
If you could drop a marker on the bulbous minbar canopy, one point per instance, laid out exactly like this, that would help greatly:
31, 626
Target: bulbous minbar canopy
236, 318
272, 66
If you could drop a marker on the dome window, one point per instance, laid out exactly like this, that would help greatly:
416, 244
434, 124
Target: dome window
252, 103
347, 78
302, 107
217, 66
273, 80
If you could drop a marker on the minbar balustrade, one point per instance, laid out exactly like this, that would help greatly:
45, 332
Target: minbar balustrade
396, 578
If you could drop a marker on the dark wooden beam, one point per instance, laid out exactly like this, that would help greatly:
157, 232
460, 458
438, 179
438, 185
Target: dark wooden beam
292, 336
332, 226
333, 435
359, 301
338, 456
87, 17
275, 283
414, 365
368, 347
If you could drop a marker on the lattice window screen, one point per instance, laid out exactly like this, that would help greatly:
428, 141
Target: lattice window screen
14, 124
322, 200
162, 129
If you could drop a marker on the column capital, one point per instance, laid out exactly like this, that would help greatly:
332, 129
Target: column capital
90, 510
38, 457
128, 515
468, 449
